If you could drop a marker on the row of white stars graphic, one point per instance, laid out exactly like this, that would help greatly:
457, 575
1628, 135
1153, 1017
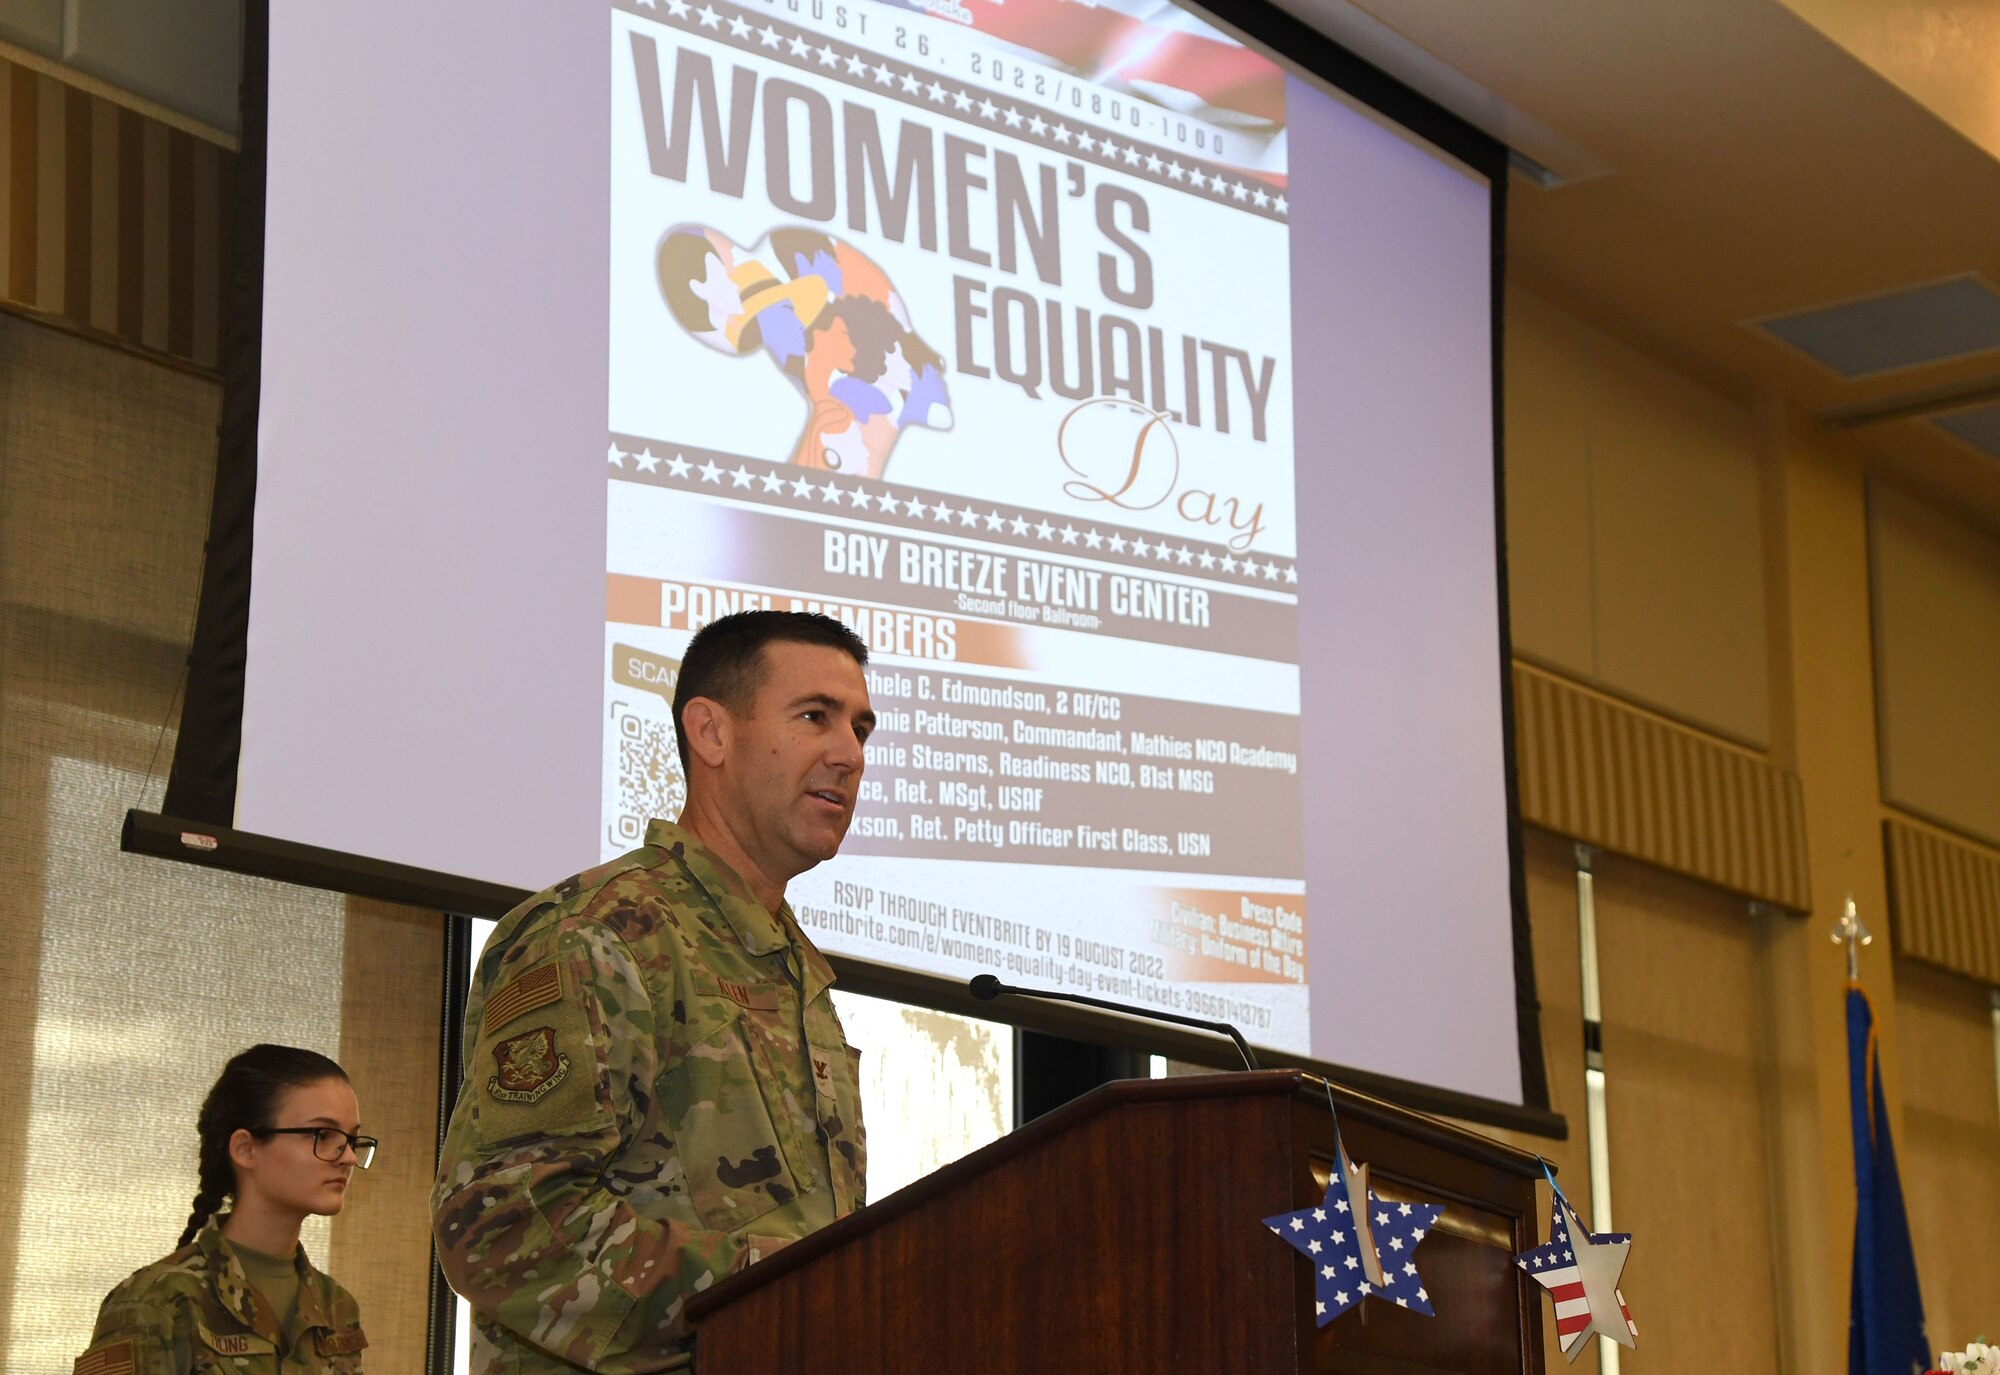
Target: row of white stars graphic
1388, 1276
1340, 1297
943, 513
961, 99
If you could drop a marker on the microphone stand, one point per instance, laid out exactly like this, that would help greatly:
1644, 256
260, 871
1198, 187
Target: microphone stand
986, 987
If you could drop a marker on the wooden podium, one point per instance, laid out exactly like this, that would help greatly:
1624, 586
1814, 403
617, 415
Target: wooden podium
1122, 1233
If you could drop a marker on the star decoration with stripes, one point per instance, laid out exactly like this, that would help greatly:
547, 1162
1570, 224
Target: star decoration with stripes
1328, 1238
1580, 1269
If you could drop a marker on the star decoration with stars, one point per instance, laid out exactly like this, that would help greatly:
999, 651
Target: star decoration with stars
1327, 1237
1580, 1269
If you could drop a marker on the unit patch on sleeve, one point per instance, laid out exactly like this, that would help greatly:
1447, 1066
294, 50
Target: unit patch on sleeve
528, 1067
526, 991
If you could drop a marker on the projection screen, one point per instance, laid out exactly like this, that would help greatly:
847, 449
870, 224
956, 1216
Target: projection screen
1129, 391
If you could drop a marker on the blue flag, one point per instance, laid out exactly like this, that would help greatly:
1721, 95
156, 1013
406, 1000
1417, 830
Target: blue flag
1885, 1324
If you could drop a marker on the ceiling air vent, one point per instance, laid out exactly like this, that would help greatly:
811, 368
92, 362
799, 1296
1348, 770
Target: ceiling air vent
1979, 427
1901, 329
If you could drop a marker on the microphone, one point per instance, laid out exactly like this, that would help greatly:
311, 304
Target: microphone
986, 988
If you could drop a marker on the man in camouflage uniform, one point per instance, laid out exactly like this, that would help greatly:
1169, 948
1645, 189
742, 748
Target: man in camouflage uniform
657, 1091
197, 1310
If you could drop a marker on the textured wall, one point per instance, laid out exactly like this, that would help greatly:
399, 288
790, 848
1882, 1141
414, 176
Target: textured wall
131, 979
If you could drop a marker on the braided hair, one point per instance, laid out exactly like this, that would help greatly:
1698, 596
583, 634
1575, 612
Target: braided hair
245, 1097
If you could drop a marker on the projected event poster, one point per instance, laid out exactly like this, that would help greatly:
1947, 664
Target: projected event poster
967, 323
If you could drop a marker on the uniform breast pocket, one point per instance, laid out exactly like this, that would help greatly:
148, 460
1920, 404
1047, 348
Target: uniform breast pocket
736, 1124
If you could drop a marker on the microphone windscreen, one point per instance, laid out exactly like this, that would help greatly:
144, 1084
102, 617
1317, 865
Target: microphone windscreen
985, 987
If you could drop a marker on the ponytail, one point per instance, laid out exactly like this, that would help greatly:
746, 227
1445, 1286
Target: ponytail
245, 1097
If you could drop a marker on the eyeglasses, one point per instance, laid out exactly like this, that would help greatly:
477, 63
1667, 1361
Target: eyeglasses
329, 1142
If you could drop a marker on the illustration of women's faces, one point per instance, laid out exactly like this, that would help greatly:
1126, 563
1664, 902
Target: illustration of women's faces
828, 319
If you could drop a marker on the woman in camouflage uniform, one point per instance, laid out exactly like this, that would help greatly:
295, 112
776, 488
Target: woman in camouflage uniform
279, 1140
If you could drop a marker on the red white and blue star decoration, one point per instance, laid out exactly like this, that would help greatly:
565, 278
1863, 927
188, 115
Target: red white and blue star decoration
1580, 1269
1328, 1237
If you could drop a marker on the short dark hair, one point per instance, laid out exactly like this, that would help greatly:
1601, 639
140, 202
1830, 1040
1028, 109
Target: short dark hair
725, 660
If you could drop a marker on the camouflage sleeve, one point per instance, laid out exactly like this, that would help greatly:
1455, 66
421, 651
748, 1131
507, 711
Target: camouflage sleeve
133, 1338
535, 1221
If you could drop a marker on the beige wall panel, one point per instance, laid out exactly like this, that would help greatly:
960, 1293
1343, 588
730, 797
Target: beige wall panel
1550, 590
381, 1249
104, 493
1596, 768
1936, 586
1950, 1149
1945, 894
1676, 497
1635, 525
1690, 1167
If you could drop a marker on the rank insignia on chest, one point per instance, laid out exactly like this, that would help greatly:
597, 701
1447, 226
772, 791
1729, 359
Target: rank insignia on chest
528, 1066
822, 1075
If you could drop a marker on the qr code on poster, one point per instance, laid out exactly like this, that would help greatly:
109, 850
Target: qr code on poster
650, 780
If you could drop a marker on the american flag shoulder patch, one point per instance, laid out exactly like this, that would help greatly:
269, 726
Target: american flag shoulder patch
526, 991
112, 1358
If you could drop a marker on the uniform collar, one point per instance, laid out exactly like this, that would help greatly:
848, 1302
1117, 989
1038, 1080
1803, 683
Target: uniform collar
236, 1294
761, 931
